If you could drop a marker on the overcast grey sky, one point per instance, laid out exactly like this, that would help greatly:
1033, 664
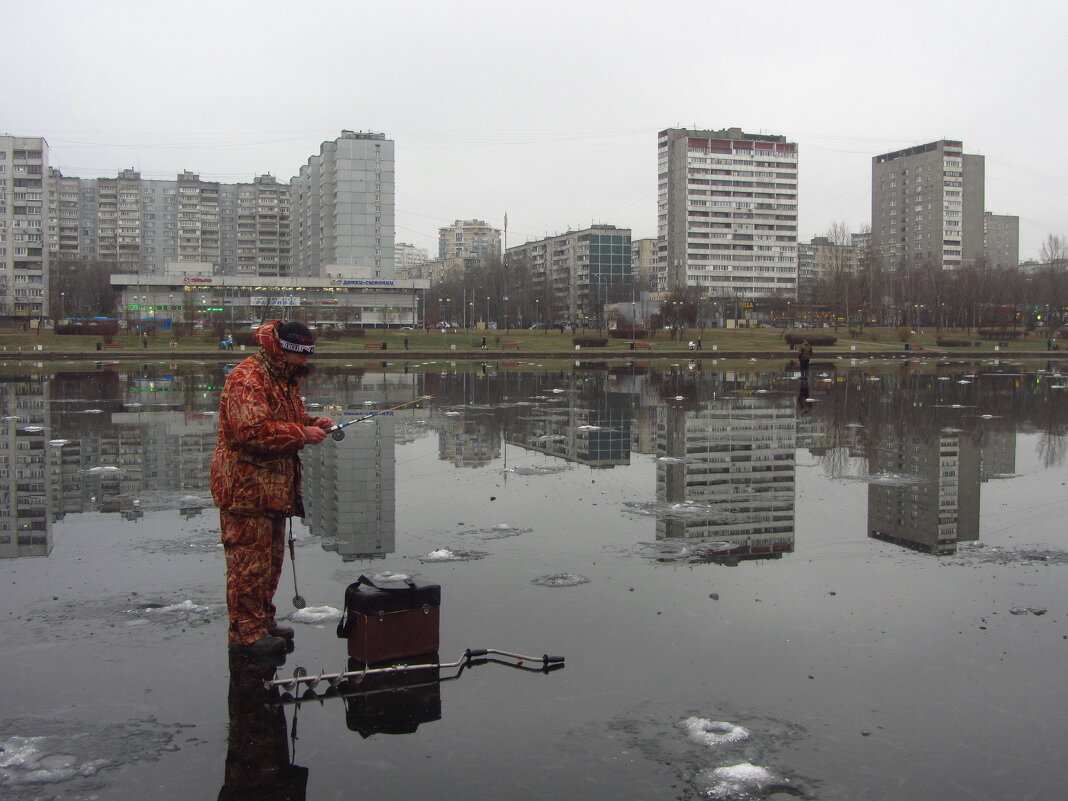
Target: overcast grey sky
547, 111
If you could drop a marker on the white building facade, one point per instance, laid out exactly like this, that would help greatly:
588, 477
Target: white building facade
727, 213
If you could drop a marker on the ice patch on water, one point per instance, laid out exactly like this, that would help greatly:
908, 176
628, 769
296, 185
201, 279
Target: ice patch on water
970, 553
537, 470
497, 531
886, 479
685, 510
1024, 610
316, 614
734, 781
449, 555
36, 754
185, 606
560, 580
713, 732
23, 760
104, 469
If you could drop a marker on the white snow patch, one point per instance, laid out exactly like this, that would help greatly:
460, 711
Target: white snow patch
734, 781
316, 614
713, 732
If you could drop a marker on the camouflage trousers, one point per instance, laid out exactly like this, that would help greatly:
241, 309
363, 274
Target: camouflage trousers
254, 548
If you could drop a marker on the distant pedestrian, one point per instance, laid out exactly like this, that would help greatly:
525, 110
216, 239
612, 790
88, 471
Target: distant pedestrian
483, 343
699, 343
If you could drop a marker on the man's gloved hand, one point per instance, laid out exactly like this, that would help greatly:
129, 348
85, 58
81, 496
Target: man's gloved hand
314, 435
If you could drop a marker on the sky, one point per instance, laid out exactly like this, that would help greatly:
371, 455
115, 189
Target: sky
547, 112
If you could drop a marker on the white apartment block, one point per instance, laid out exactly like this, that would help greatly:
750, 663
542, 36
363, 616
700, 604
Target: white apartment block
576, 274
1001, 240
927, 207
343, 209
467, 238
24, 253
727, 213
405, 255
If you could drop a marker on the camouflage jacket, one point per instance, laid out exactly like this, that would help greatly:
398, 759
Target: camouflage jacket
255, 469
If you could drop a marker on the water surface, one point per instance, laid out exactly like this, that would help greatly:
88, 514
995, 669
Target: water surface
849, 587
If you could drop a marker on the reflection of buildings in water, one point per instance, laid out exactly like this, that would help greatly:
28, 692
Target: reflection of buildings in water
735, 455
998, 454
350, 492
939, 509
469, 441
27, 464
593, 430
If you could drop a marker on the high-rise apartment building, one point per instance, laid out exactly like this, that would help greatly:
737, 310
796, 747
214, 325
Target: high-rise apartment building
24, 253
574, 275
1001, 240
343, 209
643, 261
141, 225
468, 238
927, 206
727, 213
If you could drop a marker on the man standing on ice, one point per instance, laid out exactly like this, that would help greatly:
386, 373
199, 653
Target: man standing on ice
256, 478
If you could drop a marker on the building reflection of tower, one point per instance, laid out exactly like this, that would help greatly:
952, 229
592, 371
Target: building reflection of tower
592, 428
350, 491
27, 465
939, 505
731, 461
469, 441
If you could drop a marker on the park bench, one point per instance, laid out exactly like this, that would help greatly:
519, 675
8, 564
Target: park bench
642, 345
372, 346
511, 345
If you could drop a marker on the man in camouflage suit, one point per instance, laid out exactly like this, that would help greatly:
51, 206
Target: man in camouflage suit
256, 477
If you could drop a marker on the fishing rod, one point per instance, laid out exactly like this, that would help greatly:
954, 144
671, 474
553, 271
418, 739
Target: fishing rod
338, 432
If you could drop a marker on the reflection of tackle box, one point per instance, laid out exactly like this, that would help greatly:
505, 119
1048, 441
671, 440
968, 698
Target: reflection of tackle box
394, 703
388, 620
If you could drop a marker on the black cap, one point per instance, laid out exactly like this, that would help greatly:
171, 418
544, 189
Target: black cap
296, 338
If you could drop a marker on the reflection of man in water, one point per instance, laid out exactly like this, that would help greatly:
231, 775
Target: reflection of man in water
804, 403
257, 756
804, 355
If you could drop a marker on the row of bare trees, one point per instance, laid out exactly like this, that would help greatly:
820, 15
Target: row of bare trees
862, 292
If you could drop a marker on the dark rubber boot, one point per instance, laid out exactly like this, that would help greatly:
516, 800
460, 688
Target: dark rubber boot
285, 632
264, 646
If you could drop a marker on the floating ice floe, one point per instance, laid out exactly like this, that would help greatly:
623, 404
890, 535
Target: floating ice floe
590, 428
734, 781
316, 614
989, 416
92, 411
32, 429
24, 761
449, 555
537, 470
713, 732
183, 607
1023, 610
104, 469
560, 580
58, 443
887, 479
452, 414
